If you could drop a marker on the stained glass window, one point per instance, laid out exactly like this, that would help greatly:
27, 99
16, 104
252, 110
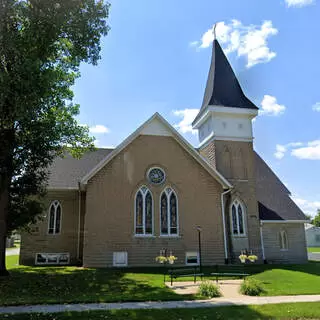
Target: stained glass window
139, 213
237, 218
156, 175
169, 212
164, 214
144, 212
54, 217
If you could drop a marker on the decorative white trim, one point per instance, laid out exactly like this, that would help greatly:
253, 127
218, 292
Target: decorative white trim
54, 218
168, 190
244, 214
262, 243
192, 253
144, 193
243, 139
284, 221
181, 141
224, 110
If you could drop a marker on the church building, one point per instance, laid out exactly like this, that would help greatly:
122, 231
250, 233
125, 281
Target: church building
121, 207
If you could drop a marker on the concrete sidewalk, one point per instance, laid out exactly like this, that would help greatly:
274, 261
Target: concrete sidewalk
160, 305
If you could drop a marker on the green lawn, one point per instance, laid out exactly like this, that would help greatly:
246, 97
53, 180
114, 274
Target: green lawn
313, 249
71, 284
280, 311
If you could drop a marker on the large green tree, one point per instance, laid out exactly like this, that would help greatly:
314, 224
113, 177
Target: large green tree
42, 43
316, 219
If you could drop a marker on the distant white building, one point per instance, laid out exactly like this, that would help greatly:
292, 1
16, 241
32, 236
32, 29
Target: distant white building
312, 235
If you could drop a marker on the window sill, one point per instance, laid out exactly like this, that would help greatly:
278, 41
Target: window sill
239, 236
144, 236
169, 236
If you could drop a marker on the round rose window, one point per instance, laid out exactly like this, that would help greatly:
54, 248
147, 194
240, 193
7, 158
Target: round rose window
156, 175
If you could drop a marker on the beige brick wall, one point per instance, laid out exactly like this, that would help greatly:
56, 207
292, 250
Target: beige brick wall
208, 152
40, 241
235, 160
296, 253
109, 223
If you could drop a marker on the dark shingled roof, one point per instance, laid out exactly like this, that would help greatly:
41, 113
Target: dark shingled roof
274, 198
223, 88
66, 172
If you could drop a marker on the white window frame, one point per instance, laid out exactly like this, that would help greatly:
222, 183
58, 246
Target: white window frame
193, 253
144, 193
55, 218
47, 254
284, 246
237, 202
115, 264
168, 191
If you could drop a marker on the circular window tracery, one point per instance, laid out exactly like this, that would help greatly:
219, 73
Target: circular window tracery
156, 175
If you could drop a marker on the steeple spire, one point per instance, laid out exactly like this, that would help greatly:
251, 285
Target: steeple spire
223, 88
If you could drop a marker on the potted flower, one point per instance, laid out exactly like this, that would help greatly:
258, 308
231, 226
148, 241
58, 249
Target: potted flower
161, 259
252, 258
171, 259
243, 258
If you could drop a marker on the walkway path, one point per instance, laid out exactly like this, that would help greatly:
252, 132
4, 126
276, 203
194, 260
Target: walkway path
12, 251
315, 256
160, 305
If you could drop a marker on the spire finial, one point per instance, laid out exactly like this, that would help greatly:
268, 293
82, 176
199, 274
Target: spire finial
214, 31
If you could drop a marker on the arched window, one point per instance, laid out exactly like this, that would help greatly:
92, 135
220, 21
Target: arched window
283, 240
237, 219
54, 217
143, 212
169, 213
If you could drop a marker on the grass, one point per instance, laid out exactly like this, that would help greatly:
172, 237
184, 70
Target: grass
48, 285
30, 285
313, 249
280, 311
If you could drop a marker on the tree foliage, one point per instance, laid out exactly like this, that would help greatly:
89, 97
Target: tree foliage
42, 43
316, 220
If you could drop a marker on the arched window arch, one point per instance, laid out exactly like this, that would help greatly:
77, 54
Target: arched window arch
143, 212
283, 240
55, 213
237, 218
169, 219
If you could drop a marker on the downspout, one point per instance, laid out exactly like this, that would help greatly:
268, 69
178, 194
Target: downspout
224, 226
79, 222
262, 244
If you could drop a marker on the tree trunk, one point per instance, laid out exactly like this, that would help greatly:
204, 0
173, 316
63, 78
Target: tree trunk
6, 151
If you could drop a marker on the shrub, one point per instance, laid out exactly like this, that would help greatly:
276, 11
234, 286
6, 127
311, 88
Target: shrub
251, 287
209, 290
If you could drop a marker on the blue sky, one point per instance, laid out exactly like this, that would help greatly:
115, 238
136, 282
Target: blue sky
157, 56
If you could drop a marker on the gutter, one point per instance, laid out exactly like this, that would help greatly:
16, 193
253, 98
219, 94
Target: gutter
262, 244
224, 225
284, 221
79, 221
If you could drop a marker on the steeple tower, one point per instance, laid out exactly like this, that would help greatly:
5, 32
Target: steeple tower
224, 125
226, 113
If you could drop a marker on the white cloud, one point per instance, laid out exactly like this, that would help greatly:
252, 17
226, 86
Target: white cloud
270, 107
311, 151
308, 207
99, 129
298, 3
280, 151
316, 107
248, 41
187, 115
98, 144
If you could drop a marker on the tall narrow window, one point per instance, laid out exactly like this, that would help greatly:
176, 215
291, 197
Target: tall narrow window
169, 213
283, 240
143, 212
54, 217
237, 219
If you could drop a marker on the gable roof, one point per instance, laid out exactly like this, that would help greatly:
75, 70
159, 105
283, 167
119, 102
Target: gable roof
223, 87
66, 172
166, 129
275, 202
